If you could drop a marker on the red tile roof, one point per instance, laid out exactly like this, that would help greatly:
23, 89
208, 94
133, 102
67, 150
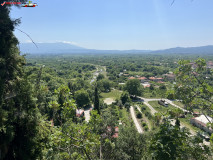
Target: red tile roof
131, 78
152, 78
142, 78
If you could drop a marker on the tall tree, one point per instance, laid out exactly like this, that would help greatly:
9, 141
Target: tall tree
96, 100
125, 97
82, 98
133, 86
19, 117
193, 87
171, 142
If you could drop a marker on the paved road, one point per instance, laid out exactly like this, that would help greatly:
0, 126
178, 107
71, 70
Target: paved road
157, 99
135, 120
170, 102
153, 111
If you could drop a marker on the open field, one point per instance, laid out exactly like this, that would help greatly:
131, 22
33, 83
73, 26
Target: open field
161, 108
178, 103
185, 121
114, 94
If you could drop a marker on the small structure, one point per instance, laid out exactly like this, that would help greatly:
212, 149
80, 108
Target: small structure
109, 132
170, 77
142, 79
131, 78
152, 78
79, 113
121, 83
145, 85
155, 79
163, 103
209, 64
201, 122
120, 74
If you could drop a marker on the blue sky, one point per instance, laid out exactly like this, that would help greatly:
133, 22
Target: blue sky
118, 24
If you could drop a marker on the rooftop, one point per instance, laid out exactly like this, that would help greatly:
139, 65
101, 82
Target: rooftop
203, 119
131, 77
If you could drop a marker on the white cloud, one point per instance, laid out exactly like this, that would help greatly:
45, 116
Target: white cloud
68, 42
28, 41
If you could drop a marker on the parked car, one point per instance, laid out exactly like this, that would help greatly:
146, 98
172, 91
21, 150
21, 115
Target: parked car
163, 103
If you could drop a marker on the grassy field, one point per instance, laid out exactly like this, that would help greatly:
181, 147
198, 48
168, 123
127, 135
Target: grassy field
125, 117
114, 94
160, 108
179, 104
184, 121
182, 106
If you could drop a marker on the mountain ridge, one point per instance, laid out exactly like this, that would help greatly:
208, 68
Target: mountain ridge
66, 48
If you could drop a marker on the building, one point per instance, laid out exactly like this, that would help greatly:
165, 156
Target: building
145, 85
201, 122
170, 77
152, 78
111, 133
126, 74
131, 78
209, 64
142, 79
155, 79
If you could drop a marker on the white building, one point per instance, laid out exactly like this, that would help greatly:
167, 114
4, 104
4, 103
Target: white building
201, 122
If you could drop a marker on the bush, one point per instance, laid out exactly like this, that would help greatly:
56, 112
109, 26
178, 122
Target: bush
143, 124
148, 115
146, 128
143, 108
139, 115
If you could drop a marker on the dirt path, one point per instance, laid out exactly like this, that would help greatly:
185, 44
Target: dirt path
153, 111
135, 120
108, 101
145, 118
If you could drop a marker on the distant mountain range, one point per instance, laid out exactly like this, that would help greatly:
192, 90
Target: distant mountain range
66, 48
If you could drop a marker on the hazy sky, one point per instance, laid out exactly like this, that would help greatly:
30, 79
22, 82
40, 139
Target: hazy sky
118, 24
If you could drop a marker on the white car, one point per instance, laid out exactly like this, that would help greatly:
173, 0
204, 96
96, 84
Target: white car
29, 5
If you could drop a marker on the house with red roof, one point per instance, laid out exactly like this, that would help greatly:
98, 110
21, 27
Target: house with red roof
131, 78
201, 122
142, 79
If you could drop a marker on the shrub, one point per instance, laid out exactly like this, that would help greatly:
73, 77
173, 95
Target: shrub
146, 128
143, 108
143, 124
139, 115
147, 114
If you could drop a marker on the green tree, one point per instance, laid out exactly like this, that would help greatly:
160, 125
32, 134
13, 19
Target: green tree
125, 97
133, 86
192, 87
96, 100
130, 144
100, 77
82, 98
104, 85
21, 132
171, 142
